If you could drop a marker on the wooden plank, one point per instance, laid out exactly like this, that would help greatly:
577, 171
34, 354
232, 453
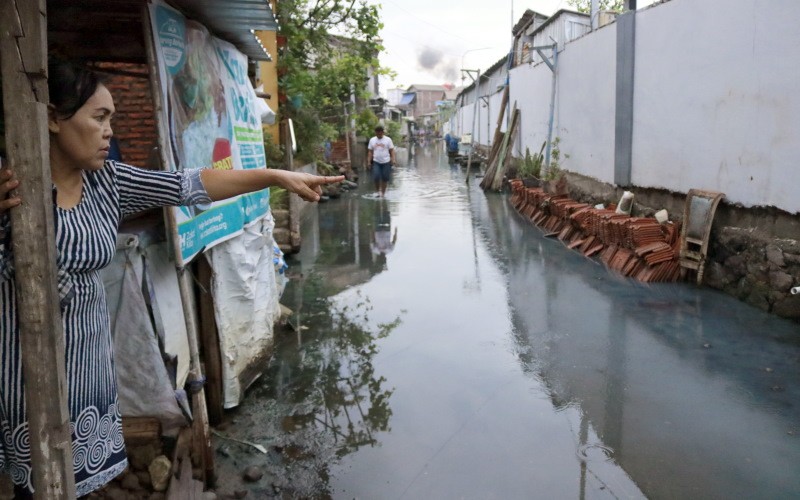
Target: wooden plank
497, 183
23, 46
209, 338
498, 134
140, 430
491, 161
490, 175
182, 448
201, 435
184, 486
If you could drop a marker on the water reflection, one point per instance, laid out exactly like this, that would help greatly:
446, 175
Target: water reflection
320, 399
328, 370
384, 236
520, 369
689, 390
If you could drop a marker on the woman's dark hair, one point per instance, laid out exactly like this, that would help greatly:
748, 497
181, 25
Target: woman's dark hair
70, 86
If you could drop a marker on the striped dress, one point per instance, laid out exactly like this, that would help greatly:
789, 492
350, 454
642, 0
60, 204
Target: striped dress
86, 242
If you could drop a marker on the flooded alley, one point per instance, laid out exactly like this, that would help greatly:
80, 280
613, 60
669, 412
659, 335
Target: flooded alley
442, 347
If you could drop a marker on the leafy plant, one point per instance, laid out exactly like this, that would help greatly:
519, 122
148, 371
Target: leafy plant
532, 164
585, 5
393, 130
274, 153
278, 198
555, 160
325, 69
366, 121
326, 168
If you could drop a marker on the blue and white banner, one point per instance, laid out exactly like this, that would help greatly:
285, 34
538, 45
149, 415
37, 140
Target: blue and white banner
210, 107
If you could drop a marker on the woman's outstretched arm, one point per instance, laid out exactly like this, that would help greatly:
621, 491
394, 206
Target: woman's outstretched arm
222, 184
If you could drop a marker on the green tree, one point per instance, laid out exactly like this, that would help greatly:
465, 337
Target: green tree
394, 130
586, 5
331, 46
366, 121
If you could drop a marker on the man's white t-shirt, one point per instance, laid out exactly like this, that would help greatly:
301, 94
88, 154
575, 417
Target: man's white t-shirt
383, 243
380, 149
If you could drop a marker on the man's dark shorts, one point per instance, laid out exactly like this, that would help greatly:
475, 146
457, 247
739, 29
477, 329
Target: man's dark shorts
381, 171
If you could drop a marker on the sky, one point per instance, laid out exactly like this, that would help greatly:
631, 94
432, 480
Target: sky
429, 41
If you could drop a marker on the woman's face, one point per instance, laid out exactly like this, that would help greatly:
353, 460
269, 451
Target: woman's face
82, 141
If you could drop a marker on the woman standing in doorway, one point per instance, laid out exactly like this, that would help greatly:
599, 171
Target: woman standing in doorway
91, 194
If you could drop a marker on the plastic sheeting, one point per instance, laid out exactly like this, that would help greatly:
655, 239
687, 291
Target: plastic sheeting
263, 111
151, 348
246, 285
167, 308
145, 386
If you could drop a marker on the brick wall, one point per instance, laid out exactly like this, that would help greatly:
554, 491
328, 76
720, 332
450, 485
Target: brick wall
339, 152
134, 122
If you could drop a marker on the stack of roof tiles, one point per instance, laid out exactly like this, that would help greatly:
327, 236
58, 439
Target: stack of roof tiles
638, 247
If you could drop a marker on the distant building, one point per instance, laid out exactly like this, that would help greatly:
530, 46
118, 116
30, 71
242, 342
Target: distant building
537, 30
394, 96
421, 100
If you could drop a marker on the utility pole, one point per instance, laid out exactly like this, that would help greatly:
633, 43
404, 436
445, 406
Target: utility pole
474, 116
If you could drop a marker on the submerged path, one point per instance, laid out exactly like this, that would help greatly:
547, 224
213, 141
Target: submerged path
474, 358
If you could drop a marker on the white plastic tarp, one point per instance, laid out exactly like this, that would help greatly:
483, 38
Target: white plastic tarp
263, 111
246, 289
144, 384
167, 307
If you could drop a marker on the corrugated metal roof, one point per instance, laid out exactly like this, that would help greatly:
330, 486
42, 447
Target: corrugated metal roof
111, 30
407, 99
424, 87
234, 21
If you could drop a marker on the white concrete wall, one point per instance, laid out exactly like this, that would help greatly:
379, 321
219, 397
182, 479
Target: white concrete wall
487, 115
485, 123
585, 104
530, 91
716, 101
464, 120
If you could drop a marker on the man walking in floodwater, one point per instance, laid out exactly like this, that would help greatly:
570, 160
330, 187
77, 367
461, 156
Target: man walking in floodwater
381, 160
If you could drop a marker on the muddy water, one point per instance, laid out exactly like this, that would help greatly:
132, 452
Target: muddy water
443, 348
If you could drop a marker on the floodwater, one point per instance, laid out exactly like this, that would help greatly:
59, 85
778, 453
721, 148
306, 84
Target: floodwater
442, 348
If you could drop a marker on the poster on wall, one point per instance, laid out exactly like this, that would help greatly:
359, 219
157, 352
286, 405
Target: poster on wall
210, 109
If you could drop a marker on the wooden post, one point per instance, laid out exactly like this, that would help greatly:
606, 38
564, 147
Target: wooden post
23, 45
488, 178
347, 140
209, 339
294, 200
201, 434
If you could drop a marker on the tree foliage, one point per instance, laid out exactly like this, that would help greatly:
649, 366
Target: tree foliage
331, 45
586, 5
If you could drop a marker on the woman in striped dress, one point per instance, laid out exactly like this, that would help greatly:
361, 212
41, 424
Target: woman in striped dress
91, 195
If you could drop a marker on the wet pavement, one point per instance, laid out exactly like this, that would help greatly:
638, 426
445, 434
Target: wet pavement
442, 347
